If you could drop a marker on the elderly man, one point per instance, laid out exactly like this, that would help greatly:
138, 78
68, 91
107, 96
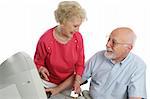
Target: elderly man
116, 73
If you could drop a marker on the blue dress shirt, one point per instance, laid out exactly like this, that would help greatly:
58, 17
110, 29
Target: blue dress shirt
116, 81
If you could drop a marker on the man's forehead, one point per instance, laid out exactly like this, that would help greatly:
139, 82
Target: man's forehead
113, 38
122, 31
117, 37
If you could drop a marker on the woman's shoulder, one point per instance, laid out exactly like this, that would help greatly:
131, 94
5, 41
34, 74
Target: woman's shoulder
47, 35
78, 36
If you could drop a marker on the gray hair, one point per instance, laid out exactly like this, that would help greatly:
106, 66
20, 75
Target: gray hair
68, 9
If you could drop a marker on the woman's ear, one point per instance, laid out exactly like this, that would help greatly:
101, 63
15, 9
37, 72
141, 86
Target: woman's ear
61, 25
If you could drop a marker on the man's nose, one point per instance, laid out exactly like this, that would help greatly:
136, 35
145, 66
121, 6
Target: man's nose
109, 45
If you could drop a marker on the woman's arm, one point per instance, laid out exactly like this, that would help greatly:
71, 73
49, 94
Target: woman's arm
68, 83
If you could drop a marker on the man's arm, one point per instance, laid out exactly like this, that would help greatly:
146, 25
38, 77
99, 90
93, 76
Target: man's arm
137, 86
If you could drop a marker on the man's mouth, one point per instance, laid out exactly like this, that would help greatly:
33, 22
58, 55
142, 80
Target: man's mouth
109, 50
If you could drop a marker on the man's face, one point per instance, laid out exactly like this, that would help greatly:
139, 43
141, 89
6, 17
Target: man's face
117, 48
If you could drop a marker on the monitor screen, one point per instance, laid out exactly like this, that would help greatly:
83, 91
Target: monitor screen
19, 78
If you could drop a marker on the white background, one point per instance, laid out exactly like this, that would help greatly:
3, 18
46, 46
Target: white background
22, 22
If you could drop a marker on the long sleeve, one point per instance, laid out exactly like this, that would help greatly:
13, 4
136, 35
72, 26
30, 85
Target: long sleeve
80, 62
40, 54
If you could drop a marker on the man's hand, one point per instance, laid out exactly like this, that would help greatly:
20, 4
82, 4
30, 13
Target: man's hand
44, 73
135, 98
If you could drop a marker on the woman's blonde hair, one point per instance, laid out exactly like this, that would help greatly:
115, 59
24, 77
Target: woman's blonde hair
68, 9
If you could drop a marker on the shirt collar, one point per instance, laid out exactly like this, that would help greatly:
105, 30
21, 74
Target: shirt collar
128, 56
123, 61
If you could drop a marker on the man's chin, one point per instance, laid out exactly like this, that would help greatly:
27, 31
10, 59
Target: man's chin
109, 55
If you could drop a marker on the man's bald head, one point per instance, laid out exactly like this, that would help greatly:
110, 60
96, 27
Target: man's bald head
120, 43
125, 34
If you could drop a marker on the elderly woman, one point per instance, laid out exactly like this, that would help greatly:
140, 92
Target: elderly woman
59, 55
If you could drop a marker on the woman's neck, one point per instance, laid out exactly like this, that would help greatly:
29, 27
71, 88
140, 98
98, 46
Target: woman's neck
59, 35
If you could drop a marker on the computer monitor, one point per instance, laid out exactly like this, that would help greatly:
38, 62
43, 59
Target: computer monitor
19, 78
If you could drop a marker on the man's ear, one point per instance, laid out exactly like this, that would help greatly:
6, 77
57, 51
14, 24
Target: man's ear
130, 47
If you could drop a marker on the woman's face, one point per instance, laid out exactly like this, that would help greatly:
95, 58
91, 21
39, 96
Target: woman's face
71, 26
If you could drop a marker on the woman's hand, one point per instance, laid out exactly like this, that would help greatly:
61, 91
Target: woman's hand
76, 87
44, 73
54, 90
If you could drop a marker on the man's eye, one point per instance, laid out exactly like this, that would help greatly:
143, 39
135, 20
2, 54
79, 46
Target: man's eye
75, 26
113, 42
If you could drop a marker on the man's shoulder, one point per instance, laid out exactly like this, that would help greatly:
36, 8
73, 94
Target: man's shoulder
98, 55
138, 61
